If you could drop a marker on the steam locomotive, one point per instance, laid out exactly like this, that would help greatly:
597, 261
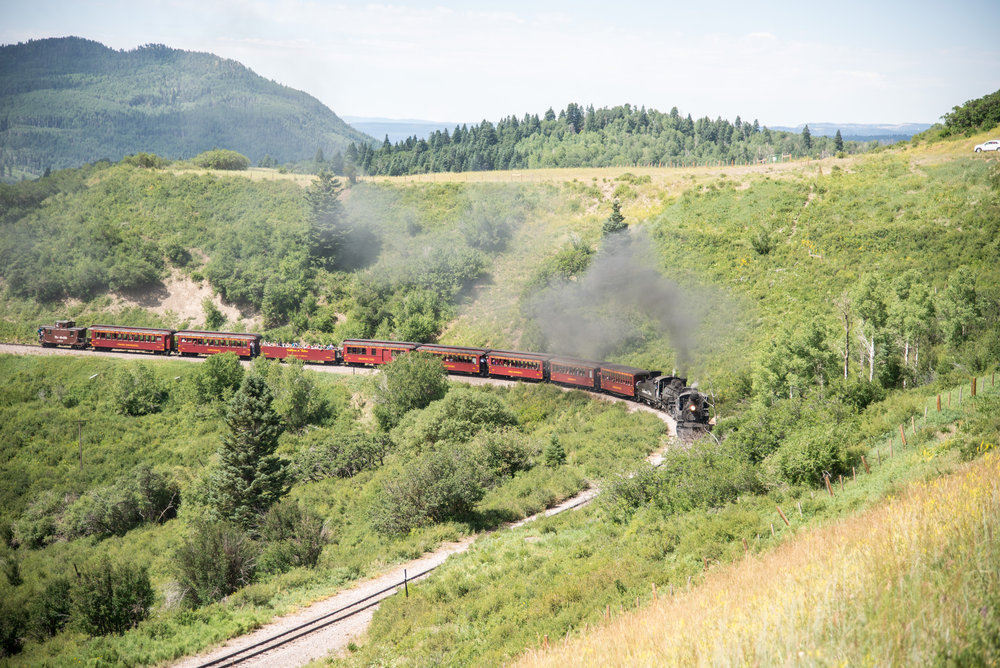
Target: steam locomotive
670, 394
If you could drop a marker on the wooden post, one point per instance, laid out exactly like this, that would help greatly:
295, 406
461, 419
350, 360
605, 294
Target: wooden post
799, 504
406, 587
867, 469
891, 453
826, 479
878, 451
545, 642
783, 515
705, 561
746, 547
961, 394
925, 416
854, 475
913, 425
939, 403
654, 591
974, 379
607, 611
841, 482
773, 535
902, 435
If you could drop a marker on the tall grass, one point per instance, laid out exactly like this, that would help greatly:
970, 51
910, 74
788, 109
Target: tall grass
915, 581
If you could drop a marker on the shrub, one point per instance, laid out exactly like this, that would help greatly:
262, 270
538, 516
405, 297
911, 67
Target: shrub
808, 453
50, 608
222, 159
333, 455
411, 381
13, 625
37, 525
112, 598
143, 495
458, 417
136, 390
555, 454
505, 451
622, 496
216, 560
295, 537
217, 378
441, 485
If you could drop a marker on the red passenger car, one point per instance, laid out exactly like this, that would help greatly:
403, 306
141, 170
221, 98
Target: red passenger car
621, 380
314, 354
578, 373
113, 337
192, 342
64, 333
512, 364
362, 351
458, 359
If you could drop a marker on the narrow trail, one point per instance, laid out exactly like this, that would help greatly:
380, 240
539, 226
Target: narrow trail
335, 638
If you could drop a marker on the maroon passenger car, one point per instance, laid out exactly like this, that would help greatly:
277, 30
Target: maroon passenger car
317, 355
113, 337
459, 359
513, 364
621, 380
194, 342
362, 351
578, 373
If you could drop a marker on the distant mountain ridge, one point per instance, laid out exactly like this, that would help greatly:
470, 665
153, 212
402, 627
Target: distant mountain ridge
861, 131
69, 101
398, 129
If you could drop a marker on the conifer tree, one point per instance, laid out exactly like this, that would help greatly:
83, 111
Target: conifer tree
807, 140
249, 477
838, 142
616, 221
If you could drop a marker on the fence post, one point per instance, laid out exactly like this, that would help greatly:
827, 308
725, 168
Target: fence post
406, 586
863, 461
974, 379
939, 403
782, 515
826, 479
902, 435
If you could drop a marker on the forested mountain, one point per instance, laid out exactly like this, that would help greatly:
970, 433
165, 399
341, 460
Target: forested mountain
69, 101
606, 137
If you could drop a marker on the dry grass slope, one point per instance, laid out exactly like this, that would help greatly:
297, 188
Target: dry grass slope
915, 581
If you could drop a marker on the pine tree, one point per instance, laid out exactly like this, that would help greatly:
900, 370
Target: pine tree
249, 477
616, 221
326, 230
807, 140
838, 142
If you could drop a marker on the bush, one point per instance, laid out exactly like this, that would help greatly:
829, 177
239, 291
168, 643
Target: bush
50, 608
807, 454
13, 625
216, 560
555, 454
217, 378
37, 525
135, 390
333, 455
112, 598
143, 495
504, 451
295, 537
441, 485
458, 417
222, 159
411, 381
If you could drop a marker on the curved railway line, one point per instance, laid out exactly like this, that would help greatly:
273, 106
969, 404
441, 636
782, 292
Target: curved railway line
329, 625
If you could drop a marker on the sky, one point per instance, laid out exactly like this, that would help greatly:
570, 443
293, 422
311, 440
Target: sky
781, 62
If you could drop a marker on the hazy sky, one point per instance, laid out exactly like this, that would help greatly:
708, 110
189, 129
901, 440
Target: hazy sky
781, 62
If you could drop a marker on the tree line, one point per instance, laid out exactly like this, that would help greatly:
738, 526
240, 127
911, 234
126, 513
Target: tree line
589, 137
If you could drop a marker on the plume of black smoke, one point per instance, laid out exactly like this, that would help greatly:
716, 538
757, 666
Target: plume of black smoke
614, 304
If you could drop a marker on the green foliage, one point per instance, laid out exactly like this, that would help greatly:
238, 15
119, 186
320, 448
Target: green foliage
592, 138
37, 525
214, 318
295, 537
216, 379
142, 496
979, 114
327, 228
407, 383
444, 484
760, 240
505, 451
249, 477
554, 453
51, 607
486, 228
13, 625
112, 598
297, 398
135, 390
215, 560
222, 159
456, 418
145, 161
331, 454
616, 220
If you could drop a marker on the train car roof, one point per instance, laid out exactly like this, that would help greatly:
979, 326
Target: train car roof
517, 353
572, 361
451, 349
621, 368
220, 335
141, 330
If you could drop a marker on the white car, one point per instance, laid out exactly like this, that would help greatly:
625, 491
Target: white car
991, 145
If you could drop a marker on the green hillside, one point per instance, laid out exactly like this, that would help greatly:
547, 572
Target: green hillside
69, 101
758, 282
